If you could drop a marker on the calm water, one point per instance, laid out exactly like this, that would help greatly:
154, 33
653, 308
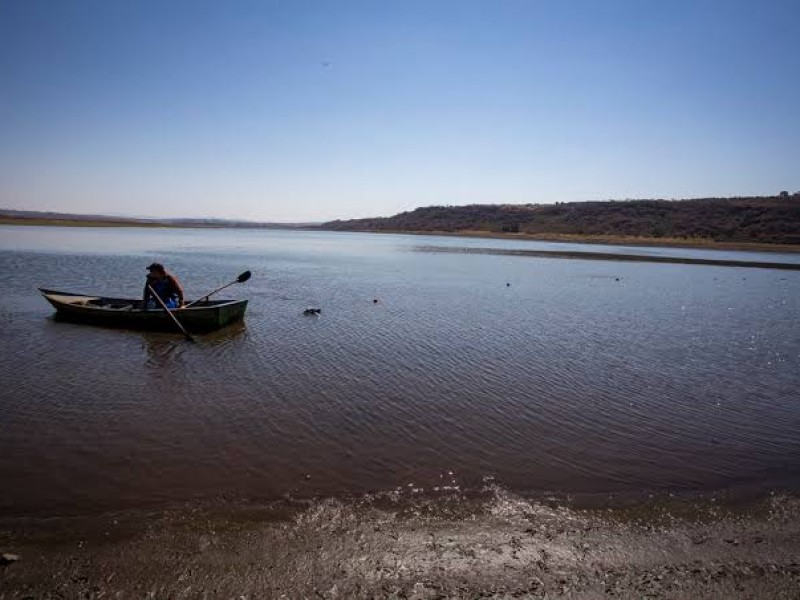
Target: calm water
675, 377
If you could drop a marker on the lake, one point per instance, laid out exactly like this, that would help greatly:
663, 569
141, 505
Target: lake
580, 377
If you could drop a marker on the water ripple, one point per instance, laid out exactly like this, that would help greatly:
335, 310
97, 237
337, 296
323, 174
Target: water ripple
579, 377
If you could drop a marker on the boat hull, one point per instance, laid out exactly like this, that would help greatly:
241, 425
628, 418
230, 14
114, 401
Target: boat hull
127, 313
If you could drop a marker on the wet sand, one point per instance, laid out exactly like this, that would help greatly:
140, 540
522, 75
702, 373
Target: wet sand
399, 546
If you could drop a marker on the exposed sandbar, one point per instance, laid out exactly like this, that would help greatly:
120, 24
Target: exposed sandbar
606, 256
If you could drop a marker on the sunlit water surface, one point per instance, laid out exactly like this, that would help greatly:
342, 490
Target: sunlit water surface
580, 377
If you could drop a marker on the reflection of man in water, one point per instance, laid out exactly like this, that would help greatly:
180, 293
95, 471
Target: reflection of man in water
166, 285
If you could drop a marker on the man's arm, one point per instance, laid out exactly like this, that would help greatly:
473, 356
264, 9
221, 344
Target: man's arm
176, 285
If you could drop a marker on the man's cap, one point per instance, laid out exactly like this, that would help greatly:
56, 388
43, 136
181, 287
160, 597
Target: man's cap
156, 267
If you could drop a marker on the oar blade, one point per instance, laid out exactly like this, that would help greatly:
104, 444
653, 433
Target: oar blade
243, 277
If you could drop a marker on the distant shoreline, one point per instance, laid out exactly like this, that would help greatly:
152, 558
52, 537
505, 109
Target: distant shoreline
611, 240
70, 223
44, 222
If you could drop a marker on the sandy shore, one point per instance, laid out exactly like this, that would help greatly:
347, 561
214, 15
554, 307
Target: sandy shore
496, 545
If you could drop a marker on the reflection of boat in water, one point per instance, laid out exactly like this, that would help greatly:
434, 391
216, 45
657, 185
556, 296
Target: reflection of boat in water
207, 315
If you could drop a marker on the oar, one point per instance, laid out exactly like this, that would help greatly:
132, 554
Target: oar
164, 306
240, 279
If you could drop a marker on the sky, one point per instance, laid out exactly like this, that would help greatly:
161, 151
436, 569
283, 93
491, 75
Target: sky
307, 111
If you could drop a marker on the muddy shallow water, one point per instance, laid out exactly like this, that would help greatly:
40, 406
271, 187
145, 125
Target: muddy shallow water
563, 376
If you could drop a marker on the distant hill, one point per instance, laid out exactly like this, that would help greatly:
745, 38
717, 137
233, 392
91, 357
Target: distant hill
768, 219
32, 217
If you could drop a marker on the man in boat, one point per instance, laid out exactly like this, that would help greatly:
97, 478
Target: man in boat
165, 284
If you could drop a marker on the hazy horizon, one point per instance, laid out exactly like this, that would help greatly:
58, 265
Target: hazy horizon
268, 111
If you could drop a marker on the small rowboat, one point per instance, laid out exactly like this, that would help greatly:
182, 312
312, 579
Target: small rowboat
207, 315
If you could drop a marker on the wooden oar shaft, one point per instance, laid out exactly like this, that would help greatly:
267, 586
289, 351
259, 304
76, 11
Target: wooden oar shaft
167, 310
240, 279
207, 296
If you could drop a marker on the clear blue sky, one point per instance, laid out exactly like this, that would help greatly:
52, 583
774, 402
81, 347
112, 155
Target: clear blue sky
303, 110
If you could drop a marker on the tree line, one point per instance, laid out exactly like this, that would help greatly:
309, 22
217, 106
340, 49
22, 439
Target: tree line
764, 219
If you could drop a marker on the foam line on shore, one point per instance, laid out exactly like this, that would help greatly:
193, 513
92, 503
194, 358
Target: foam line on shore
499, 545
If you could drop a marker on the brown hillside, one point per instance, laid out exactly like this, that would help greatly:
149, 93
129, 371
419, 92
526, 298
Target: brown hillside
773, 220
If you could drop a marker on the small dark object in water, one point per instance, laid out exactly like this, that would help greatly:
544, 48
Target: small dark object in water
616, 278
508, 285
7, 558
312, 311
374, 300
